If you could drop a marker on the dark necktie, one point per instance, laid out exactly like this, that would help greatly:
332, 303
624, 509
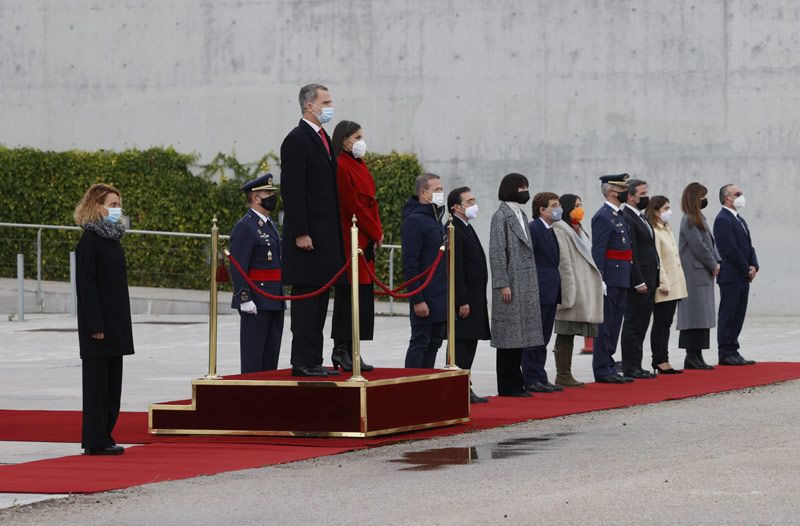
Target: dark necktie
324, 140
644, 220
744, 225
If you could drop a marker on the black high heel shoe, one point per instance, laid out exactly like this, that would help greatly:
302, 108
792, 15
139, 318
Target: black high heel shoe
671, 370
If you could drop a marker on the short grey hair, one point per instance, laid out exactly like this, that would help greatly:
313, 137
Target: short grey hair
723, 193
308, 93
606, 188
633, 184
423, 181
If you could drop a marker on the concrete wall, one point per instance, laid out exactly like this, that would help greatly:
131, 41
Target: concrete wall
669, 90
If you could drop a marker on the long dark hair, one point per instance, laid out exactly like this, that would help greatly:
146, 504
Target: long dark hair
651, 212
568, 202
692, 204
342, 131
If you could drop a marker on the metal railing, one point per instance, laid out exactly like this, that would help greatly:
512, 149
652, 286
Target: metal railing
39, 298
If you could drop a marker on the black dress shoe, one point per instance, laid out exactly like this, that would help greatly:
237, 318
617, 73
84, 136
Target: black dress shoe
330, 372
519, 394
110, 450
639, 375
610, 379
475, 399
659, 370
539, 387
312, 370
342, 355
735, 360
554, 387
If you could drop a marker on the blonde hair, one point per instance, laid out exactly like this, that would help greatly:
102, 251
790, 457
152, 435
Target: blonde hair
88, 209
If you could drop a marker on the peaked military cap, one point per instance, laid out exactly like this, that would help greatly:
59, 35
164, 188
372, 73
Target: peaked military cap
262, 183
615, 179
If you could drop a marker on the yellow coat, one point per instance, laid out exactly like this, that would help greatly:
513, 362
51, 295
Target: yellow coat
672, 282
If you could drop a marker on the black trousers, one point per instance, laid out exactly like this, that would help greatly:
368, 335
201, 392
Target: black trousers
342, 323
307, 325
534, 359
465, 353
730, 320
424, 345
638, 309
509, 372
260, 337
102, 390
663, 314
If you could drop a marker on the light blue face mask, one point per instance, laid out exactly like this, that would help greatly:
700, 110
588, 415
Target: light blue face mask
114, 215
557, 214
326, 115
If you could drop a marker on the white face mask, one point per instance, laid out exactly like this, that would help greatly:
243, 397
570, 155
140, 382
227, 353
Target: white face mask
739, 202
359, 149
471, 211
666, 215
438, 198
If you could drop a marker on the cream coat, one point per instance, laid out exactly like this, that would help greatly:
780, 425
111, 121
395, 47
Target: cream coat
672, 282
581, 282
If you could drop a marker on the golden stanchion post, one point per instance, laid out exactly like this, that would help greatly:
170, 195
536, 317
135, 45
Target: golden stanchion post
212, 311
451, 296
354, 253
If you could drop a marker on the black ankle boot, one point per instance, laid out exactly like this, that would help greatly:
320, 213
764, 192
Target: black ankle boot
342, 357
703, 361
694, 360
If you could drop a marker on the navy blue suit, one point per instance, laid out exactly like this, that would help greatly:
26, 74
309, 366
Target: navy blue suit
732, 236
422, 235
256, 245
547, 256
612, 253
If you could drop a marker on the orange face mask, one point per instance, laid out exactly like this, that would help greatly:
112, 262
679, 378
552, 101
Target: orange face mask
576, 215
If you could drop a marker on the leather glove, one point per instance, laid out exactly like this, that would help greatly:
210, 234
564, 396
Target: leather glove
248, 307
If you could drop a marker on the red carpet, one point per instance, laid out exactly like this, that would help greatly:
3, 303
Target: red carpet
168, 460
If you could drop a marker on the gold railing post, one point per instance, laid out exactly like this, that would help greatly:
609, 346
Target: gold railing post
354, 253
451, 296
212, 310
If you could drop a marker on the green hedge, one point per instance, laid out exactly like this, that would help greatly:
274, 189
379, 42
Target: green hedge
160, 192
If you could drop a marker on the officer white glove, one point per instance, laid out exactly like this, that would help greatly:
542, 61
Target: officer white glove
605, 288
248, 307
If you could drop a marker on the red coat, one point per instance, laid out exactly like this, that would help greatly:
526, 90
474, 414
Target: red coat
357, 196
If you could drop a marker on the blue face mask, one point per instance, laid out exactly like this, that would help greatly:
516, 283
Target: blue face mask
114, 215
557, 214
326, 115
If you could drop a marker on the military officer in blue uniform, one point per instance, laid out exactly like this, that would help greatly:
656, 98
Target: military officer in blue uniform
612, 253
257, 247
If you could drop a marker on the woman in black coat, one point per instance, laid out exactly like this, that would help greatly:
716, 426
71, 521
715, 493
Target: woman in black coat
104, 315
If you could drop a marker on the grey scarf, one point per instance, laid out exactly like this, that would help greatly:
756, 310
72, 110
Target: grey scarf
106, 229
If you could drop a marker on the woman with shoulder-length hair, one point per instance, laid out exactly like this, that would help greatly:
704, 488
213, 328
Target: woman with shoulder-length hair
671, 283
104, 314
356, 189
516, 316
700, 261
581, 307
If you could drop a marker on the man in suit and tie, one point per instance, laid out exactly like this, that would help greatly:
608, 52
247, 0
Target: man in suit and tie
471, 279
312, 232
739, 268
256, 245
546, 210
644, 280
613, 255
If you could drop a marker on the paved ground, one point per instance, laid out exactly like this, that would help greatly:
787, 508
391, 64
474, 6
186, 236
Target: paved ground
723, 459
737, 450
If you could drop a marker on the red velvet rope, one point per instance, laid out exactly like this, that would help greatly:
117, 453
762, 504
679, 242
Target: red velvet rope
393, 293
252, 284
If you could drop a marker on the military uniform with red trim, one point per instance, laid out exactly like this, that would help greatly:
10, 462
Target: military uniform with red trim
256, 245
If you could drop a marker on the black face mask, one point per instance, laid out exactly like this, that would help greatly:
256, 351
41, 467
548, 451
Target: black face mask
703, 203
523, 197
622, 196
642, 204
269, 203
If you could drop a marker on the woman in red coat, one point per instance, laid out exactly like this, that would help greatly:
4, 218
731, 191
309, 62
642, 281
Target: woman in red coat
356, 197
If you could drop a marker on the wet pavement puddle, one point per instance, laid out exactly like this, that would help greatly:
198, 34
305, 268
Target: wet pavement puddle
433, 459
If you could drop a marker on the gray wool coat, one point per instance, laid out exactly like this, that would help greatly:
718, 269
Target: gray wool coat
518, 324
699, 257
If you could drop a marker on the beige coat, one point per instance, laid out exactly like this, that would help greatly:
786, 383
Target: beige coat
581, 282
672, 282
